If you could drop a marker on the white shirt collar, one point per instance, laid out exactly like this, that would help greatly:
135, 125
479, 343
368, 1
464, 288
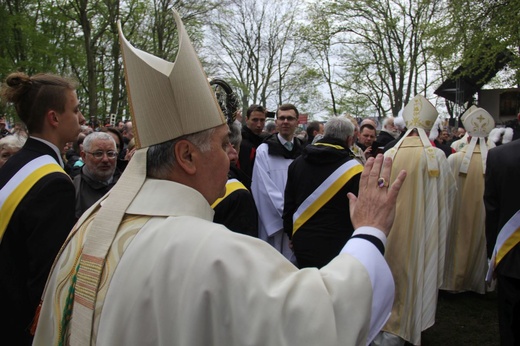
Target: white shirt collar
55, 148
282, 140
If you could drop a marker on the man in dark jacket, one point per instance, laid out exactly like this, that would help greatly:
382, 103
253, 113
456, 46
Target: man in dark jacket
251, 139
388, 133
315, 214
36, 197
99, 173
236, 209
503, 223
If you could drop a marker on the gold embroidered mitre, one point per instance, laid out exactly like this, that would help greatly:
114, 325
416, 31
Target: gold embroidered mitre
420, 113
168, 100
478, 124
467, 112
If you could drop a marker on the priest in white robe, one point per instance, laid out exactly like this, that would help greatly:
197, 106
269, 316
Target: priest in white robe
147, 266
417, 244
466, 260
272, 161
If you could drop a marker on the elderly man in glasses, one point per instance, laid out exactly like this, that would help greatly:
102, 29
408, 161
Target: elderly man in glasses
99, 172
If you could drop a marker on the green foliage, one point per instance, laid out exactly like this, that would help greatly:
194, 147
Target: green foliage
365, 57
79, 39
478, 31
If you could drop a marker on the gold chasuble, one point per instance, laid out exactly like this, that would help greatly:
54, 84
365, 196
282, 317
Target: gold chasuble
466, 262
417, 243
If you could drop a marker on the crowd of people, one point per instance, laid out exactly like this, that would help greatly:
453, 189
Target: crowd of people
184, 227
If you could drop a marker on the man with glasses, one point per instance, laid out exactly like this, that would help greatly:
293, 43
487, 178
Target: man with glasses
99, 174
273, 158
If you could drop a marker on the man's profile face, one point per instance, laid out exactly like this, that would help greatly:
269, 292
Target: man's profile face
71, 118
256, 122
286, 121
213, 165
391, 126
461, 132
367, 136
129, 130
321, 130
102, 168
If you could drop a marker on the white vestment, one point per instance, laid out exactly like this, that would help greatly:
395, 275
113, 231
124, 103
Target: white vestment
268, 189
186, 281
460, 143
466, 260
417, 242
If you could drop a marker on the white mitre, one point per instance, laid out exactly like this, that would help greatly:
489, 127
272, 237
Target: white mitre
467, 112
167, 100
420, 115
478, 124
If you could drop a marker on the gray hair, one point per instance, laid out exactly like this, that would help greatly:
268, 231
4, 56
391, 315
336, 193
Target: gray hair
339, 128
235, 135
270, 126
12, 142
104, 136
161, 160
386, 120
86, 130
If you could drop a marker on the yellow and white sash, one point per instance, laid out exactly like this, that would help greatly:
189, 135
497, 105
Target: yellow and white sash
325, 192
508, 238
232, 185
21, 183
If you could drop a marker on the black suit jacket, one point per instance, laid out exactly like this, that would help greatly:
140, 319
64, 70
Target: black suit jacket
501, 198
37, 229
247, 154
238, 210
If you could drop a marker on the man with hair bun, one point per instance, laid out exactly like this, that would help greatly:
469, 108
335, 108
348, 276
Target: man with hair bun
36, 196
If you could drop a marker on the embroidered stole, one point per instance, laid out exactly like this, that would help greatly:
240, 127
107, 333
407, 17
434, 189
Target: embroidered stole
316, 200
508, 238
232, 185
21, 183
69, 290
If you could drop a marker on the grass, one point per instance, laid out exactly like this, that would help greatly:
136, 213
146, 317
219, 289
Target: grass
464, 319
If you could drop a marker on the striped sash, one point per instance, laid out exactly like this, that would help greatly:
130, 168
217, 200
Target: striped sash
325, 192
508, 238
21, 183
232, 185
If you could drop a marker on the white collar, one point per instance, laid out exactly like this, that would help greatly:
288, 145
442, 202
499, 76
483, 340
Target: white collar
283, 140
53, 147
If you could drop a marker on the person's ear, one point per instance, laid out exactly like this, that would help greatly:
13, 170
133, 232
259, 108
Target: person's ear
82, 154
184, 151
350, 141
52, 118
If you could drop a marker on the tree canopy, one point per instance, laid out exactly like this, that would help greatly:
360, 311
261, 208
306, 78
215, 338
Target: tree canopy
363, 57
